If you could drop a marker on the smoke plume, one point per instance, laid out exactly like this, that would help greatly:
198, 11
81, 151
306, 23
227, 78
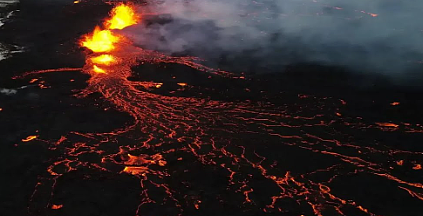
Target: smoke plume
383, 36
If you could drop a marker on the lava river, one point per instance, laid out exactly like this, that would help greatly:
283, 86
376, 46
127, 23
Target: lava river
194, 156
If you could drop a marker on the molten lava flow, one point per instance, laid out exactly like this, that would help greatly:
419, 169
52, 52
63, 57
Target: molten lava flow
222, 136
417, 167
104, 59
98, 70
100, 40
29, 138
56, 207
387, 124
122, 17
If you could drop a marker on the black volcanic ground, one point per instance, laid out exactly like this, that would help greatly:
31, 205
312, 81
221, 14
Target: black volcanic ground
318, 105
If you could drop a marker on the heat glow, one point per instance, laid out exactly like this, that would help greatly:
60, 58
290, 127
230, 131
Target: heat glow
122, 17
98, 70
100, 40
29, 138
104, 59
171, 138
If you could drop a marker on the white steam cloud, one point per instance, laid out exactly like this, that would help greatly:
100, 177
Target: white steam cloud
384, 36
8, 91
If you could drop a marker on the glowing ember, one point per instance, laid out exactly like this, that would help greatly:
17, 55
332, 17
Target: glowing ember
104, 59
56, 206
29, 138
395, 103
98, 70
387, 124
122, 17
417, 167
100, 40
135, 170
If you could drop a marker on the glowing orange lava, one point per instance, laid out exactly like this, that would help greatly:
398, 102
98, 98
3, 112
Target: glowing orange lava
100, 40
122, 17
417, 167
98, 70
387, 124
104, 59
135, 170
56, 206
29, 138
170, 129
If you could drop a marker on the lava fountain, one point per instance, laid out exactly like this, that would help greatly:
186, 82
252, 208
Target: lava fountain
122, 16
100, 40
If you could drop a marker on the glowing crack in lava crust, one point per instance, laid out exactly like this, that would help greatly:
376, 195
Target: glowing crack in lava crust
203, 130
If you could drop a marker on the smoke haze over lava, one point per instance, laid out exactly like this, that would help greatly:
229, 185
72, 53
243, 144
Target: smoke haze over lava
380, 36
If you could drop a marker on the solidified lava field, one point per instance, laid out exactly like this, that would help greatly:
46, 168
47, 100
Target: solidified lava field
94, 130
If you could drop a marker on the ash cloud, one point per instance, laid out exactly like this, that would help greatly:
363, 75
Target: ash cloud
383, 36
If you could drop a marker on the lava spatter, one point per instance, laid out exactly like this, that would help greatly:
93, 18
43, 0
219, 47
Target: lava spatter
96, 69
104, 59
122, 16
226, 137
100, 40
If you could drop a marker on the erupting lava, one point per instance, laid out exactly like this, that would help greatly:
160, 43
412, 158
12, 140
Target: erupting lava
100, 40
104, 59
122, 17
105, 40
167, 130
97, 69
